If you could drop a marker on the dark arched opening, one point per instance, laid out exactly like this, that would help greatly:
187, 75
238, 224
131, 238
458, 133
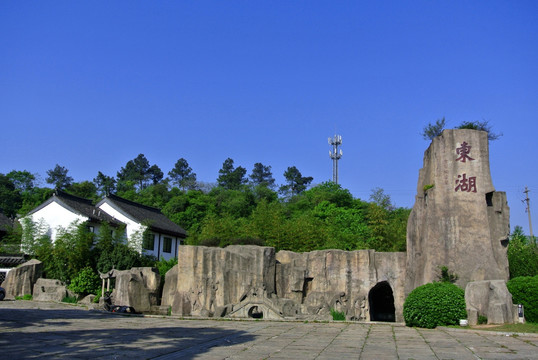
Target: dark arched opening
255, 313
381, 303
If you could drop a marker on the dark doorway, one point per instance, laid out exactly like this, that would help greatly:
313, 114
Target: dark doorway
381, 303
255, 313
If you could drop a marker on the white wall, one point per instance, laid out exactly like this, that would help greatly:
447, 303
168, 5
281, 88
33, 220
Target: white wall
132, 229
54, 216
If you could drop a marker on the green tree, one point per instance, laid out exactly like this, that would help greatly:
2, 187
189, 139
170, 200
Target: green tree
23, 180
155, 173
182, 175
137, 171
262, 175
85, 189
522, 255
378, 197
230, 177
105, 184
58, 177
296, 183
10, 197
431, 131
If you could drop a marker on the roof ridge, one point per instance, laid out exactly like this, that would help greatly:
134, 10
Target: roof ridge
60, 194
129, 202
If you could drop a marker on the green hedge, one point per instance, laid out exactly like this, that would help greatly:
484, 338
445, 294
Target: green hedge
524, 290
435, 304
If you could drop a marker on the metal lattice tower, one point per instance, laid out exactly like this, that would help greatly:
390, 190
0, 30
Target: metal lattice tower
335, 155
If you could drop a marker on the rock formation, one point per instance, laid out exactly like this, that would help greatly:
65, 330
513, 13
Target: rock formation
458, 219
138, 287
49, 290
252, 281
20, 281
489, 298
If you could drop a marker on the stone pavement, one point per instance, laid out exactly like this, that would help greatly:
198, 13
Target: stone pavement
37, 330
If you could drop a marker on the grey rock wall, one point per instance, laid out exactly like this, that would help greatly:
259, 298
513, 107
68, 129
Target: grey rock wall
49, 290
244, 281
138, 287
20, 281
461, 222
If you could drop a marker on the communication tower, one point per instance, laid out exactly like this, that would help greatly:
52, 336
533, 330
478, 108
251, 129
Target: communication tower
335, 154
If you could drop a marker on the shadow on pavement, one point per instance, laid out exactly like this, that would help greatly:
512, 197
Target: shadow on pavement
31, 333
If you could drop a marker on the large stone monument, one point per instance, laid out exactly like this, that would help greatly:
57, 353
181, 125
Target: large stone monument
458, 219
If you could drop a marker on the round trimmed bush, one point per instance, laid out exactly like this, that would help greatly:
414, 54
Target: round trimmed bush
524, 290
435, 304
86, 282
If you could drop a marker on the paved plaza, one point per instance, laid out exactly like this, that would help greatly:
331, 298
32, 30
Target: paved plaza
37, 330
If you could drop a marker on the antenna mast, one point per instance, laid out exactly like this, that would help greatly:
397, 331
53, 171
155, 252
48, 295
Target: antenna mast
335, 155
527, 200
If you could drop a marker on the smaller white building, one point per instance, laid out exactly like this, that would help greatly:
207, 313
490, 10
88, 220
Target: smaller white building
147, 229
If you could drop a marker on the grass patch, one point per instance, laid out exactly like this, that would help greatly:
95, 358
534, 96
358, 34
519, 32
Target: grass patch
520, 328
338, 315
24, 297
70, 299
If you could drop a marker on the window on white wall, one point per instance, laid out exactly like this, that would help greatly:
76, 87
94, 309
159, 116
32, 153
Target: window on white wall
149, 242
167, 245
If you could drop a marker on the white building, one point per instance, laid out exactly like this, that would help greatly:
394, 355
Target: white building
162, 236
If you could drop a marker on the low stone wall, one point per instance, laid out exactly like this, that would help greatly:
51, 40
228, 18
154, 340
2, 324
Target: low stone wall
253, 281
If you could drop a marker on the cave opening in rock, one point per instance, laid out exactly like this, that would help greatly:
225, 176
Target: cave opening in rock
255, 313
381, 301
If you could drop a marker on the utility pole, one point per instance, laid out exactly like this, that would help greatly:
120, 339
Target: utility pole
335, 155
527, 200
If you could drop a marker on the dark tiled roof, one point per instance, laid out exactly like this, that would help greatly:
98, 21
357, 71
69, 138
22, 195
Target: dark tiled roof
9, 261
145, 215
78, 205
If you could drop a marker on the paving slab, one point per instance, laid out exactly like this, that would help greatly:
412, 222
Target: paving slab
37, 330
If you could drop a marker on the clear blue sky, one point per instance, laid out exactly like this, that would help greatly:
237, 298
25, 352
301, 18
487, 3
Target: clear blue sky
90, 85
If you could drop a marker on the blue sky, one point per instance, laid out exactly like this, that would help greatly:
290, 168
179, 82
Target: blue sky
90, 85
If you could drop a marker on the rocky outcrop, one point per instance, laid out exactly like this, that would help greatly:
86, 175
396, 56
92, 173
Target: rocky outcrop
211, 278
341, 280
458, 219
252, 281
20, 281
491, 299
138, 287
49, 290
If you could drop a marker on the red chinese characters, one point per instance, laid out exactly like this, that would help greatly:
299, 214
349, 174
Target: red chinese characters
463, 152
464, 183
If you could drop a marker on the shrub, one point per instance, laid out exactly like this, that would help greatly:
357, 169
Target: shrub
164, 265
435, 304
482, 319
24, 297
70, 299
338, 315
524, 290
86, 282
522, 255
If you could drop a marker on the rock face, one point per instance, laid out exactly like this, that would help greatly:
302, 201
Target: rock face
252, 281
458, 219
49, 290
138, 287
20, 281
208, 279
489, 298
